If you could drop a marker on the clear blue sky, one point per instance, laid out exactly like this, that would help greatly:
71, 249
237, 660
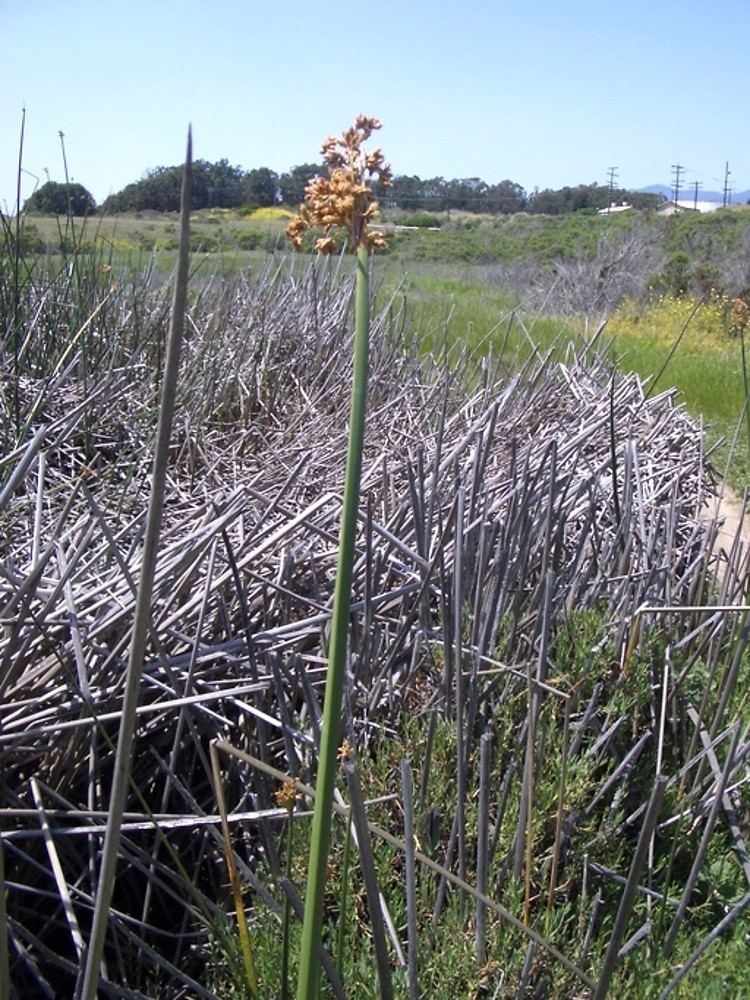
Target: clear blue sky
544, 93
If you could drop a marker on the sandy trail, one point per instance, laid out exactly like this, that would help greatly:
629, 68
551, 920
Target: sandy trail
729, 510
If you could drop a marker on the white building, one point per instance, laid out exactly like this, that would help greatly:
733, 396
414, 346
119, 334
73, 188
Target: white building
688, 205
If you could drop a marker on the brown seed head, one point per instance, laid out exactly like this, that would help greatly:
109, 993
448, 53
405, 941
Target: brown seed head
286, 796
344, 199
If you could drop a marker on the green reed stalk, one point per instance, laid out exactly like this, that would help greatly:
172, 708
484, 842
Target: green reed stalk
309, 971
251, 982
287, 917
344, 901
746, 386
16, 244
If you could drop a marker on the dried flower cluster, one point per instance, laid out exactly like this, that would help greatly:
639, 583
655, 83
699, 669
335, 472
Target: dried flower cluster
286, 795
740, 316
344, 199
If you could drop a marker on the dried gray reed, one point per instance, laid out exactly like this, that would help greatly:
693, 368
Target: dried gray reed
359, 816
628, 895
243, 578
123, 760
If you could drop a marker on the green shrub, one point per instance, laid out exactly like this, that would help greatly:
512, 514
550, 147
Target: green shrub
29, 240
202, 243
61, 199
423, 220
251, 240
674, 279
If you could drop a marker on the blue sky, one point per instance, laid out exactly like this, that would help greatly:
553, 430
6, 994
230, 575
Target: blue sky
544, 93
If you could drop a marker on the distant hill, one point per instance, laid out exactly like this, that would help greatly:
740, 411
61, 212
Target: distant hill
686, 191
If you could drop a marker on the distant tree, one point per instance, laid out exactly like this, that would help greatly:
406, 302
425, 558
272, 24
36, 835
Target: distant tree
220, 185
467, 194
506, 198
292, 184
569, 199
641, 199
261, 187
434, 194
406, 192
60, 199
160, 189
215, 185
223, 186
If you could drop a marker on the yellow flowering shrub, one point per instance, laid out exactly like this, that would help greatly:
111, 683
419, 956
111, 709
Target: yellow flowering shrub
710, 321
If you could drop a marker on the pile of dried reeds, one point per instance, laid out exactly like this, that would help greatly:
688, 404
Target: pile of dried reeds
488, 516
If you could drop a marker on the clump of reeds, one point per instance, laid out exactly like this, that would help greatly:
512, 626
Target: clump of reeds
496, 518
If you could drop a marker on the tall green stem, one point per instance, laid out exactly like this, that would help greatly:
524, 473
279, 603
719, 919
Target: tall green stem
309, 971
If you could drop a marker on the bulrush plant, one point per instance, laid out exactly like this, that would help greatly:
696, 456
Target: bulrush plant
343, 206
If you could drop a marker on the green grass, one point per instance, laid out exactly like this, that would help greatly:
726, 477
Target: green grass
706, 368
446, 309
216, 231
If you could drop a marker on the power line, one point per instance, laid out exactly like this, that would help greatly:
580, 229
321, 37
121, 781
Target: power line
611, 174
727, 189
678, 170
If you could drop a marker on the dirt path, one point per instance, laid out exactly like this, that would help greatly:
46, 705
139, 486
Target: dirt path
729, 510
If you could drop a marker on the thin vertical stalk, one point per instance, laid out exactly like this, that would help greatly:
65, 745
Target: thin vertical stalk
613, 458
4, 957
407, 793
369, 875
631, 887
528, 804
700, 854
746, 385
344, 899
461, 755
560, 803
123, 758
485, 762
330, 731
287, 917
17, 283
234, 879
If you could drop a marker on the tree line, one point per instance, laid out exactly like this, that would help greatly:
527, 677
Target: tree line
221, 185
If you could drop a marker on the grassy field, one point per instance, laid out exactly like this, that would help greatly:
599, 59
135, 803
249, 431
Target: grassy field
683, 342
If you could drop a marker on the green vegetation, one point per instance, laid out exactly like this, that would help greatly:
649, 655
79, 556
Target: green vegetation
61, 199
221, 185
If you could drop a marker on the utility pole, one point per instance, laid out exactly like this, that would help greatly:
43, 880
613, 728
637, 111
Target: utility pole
727, 196
611, 174
696, 185
678, 171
